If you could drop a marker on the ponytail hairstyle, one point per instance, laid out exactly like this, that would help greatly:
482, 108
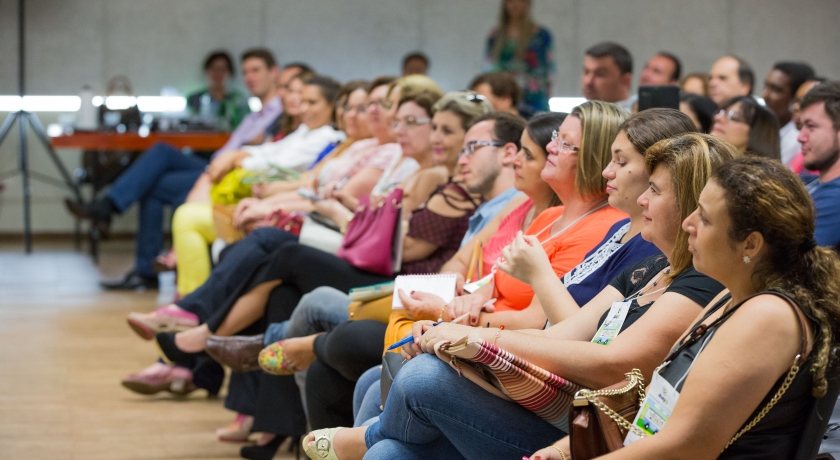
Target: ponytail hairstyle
691, 159
763, 196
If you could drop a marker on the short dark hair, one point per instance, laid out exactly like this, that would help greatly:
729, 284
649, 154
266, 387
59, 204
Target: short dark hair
677, 64
329, 87
829, 93
745, 73
704, 109
623, 59
542, 125
383, 80
223, 55
502, 84
507, 127
764, 127
416, 55
797, 72
304, 68
260, 53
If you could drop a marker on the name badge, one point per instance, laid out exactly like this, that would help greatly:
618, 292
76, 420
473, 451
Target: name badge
612, 324
656, 409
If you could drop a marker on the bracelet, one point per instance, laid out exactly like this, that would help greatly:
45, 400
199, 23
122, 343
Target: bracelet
562, 454
498, 334
343, 228
440, 317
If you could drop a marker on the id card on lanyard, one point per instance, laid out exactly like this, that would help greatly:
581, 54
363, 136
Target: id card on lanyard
656, 409
612, 324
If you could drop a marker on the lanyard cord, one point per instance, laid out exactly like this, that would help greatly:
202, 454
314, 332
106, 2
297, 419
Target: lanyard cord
563, 230
641, 292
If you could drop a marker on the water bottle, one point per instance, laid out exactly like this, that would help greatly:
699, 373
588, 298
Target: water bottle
86, 119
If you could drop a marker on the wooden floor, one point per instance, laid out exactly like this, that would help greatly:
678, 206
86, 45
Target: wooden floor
65, 346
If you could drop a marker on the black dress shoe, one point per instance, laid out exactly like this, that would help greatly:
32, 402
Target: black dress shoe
98, 212
132, 281
240, 353
170, 352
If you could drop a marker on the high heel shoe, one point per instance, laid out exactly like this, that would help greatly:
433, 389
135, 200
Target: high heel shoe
170, 352
265, 452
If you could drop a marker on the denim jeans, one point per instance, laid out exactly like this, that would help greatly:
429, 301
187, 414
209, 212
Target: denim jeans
367, 397
432, 412
162, 176
318, 311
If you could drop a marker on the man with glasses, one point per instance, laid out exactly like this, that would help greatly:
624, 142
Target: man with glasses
486, 161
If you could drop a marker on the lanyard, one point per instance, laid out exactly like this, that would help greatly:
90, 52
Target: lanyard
563, 230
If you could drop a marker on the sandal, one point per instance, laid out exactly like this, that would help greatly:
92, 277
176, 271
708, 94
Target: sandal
272, 361
322, 445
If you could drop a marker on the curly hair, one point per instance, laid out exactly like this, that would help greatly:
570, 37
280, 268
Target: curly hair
764, 196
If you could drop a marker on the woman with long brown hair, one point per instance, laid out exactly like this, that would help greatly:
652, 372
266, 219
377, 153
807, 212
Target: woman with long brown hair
524, 48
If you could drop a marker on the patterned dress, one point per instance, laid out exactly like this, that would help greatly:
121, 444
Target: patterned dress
534, 73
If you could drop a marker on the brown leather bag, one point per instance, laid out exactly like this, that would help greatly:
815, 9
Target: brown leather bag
600, 419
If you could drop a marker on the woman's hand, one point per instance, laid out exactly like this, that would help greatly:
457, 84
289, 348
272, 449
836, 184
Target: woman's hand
410, 350
443, 332
421, 305
224, 163
551, 453
473, 304
250, 211
330, 209
524, 259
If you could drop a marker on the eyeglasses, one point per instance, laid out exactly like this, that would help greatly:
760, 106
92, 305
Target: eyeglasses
733, 115
382, 103
361, 108
472, 146
563, 146
410, 122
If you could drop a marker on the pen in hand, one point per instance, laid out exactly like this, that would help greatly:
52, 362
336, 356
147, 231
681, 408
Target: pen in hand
410, 338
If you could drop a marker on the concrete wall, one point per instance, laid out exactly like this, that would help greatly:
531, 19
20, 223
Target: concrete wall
162, 42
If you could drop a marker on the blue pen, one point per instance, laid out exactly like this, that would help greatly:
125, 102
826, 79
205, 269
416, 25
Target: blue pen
410, 339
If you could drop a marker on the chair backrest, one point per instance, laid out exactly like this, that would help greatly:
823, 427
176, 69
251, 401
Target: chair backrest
815, 426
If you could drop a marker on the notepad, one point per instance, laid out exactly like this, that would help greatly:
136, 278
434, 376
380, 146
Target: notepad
442, 285
373, 292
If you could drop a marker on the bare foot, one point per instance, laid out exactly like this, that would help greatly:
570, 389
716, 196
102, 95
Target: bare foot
299, 352
156, 369
238, 430
265, 438
348, 443
193, 340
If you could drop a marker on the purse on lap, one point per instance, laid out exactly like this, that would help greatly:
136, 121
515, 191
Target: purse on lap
501, 373
373, 241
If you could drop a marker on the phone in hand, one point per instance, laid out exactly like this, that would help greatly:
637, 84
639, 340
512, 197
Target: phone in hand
307, 193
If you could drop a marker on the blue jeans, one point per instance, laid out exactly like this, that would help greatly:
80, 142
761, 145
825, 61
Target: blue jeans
162, 176
431, 412
367, 397
318, 311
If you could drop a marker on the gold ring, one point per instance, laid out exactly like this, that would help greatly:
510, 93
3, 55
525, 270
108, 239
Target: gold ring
426, 339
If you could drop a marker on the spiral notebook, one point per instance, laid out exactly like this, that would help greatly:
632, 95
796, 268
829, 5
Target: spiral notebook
442, 285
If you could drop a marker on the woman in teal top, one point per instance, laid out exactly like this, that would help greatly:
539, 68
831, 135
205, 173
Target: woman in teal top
521, 46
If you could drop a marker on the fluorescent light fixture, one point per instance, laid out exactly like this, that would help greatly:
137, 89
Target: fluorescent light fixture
54, 130
120, 102
255, 104
565, 104
40, 103
161, 103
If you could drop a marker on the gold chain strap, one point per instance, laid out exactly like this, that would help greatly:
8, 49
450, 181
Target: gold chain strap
782, 389
636, 380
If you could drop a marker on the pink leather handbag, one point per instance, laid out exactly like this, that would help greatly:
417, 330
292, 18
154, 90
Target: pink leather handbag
373, 239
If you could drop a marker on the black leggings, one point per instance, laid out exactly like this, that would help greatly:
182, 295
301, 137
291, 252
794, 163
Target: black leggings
344, 354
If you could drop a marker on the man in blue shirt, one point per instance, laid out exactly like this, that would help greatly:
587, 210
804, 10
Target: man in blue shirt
486, 162
820, 139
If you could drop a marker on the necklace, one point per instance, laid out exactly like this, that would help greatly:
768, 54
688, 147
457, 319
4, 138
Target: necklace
644, 291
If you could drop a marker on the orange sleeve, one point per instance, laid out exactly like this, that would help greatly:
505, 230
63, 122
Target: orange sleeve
399, 327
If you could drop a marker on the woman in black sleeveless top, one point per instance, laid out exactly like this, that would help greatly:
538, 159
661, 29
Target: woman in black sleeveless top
749, 371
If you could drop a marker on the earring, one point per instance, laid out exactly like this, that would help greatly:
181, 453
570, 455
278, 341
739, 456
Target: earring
746, 259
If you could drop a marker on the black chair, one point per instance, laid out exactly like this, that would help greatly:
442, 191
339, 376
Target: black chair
812, 434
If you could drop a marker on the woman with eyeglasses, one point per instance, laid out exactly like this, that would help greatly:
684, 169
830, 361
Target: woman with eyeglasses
751, 128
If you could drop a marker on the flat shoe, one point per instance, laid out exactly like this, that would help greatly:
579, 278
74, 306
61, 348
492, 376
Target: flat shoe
239, 435
240, 353
177, 381
322, 447
272, 361
161, 320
